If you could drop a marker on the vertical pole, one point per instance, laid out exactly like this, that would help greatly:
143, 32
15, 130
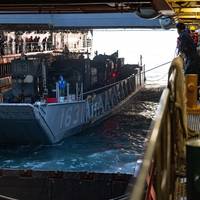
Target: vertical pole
77, 90
81, 91
57, 92
44, 76
68, 91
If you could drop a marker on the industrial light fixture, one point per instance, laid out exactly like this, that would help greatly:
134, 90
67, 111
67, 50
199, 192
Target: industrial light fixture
147, 12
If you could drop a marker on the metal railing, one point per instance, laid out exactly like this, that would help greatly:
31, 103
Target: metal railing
156, 179
104, 99
24, 47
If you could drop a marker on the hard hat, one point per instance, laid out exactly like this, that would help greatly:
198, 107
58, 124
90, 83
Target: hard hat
192, 27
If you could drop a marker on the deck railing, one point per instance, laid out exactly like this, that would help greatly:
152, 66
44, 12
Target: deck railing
156, 179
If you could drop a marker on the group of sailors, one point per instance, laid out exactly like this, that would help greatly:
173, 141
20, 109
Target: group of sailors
24, 45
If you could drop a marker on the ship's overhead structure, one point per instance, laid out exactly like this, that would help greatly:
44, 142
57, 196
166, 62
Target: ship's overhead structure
64, 13
184, 10
187, 11
75, 21
84, 6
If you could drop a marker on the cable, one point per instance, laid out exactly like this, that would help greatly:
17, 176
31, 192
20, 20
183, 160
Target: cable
162, 77
157, 66
112, 84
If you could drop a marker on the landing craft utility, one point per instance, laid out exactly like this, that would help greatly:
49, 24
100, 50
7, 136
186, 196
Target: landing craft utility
53, 96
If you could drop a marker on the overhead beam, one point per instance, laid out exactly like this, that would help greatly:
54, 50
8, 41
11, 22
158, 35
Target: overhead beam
163, 7
72, 6
68, 8
187, 10
48, 2
74, 21
184, 16
173, 1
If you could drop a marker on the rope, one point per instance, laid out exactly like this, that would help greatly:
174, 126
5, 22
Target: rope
157, 66
112, 84
158, 79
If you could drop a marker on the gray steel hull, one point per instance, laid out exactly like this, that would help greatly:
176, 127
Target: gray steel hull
44, 123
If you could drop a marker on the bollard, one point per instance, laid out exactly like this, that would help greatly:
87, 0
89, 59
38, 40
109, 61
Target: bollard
193, 169
191, 89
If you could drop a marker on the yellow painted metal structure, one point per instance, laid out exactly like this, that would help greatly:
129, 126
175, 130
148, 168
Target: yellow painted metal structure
191, 90
187, 11
193, 107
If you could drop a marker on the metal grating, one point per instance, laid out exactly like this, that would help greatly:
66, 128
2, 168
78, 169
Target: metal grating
194, 122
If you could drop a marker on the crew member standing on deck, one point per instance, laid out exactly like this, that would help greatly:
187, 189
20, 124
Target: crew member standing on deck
62, 86
187, 47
